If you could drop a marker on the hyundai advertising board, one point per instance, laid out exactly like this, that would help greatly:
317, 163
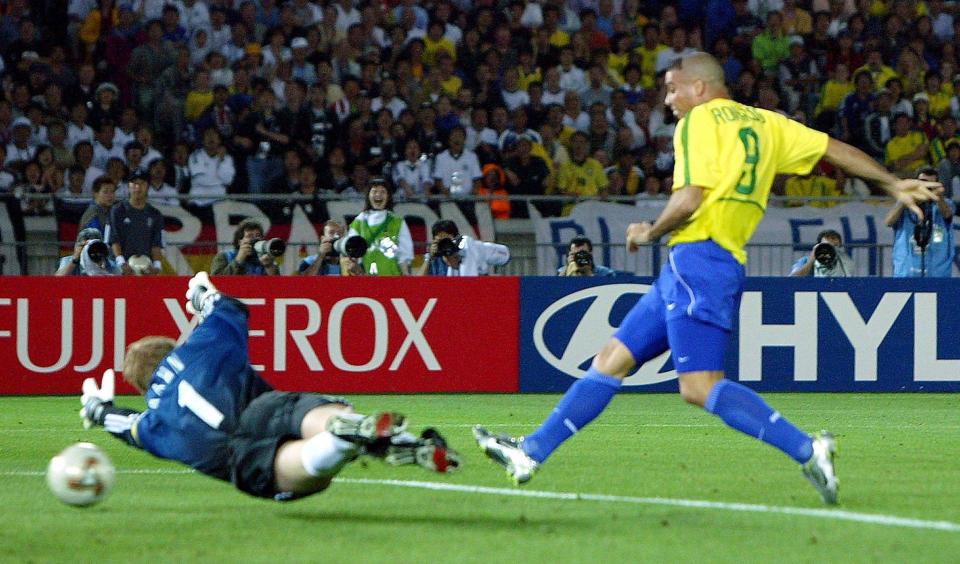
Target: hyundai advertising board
838, 335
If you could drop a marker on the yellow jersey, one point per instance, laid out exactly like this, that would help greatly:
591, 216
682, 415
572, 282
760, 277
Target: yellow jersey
813, 185
585, 179
899, 147
734, 152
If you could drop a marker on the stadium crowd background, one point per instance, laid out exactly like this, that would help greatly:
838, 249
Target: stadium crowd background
201, 99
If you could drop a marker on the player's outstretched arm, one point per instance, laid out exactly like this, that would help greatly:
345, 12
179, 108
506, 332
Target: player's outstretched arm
98, 409
908, 191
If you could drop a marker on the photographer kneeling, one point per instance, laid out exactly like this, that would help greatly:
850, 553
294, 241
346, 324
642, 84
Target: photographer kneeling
827, 259
580, 260
251, 254
329, 261
453, 254
91, 257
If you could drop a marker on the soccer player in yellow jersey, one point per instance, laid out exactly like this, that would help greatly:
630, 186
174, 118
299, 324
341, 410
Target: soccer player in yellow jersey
727, 155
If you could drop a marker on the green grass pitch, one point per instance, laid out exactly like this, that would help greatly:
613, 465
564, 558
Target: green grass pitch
898, 463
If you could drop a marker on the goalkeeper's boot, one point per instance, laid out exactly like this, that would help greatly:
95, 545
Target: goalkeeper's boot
367, 430
819, 469
507, 452
429, 452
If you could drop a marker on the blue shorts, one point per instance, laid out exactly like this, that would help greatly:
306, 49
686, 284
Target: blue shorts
690, 309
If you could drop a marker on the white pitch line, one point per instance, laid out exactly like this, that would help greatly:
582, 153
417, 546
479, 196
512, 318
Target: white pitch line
837, 514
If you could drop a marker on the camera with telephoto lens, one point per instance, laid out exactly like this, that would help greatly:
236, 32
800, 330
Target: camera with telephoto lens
825, 254
448, 247
354, 246
583, 258
97, 251
274, 247
923, 230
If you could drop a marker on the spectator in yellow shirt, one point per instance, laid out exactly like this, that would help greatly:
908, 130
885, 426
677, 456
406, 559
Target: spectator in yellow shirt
908, 148
200, 98
939, 100
880, 72
834, 90
434, 42
582, 175
648, 52
815, 185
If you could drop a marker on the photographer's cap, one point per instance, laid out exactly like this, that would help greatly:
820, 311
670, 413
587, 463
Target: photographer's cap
89, 234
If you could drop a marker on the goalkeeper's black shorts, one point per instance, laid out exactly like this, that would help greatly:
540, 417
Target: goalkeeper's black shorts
269, 421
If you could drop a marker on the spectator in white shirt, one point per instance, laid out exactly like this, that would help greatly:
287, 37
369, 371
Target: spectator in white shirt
572, 77
678, 48
347, 15
193, 15
388, 99
553, 93
83, 157
145, 138
412, 175
77, 129
211, 169
20, 150
456, 169
477, 131
104, 148
513, 96
159, 192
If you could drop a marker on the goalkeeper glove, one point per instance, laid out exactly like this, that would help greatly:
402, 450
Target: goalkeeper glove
201, 294
95, 399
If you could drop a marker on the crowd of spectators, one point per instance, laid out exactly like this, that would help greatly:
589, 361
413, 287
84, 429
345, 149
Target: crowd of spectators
203, 98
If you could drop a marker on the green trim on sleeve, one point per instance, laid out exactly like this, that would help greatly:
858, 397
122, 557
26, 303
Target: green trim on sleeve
686, 148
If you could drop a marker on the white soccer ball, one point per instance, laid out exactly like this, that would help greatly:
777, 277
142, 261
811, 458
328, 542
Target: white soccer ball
80, 475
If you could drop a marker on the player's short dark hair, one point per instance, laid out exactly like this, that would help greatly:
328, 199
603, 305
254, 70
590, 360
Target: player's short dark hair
444, 226
832, 233
927, 171
582, 240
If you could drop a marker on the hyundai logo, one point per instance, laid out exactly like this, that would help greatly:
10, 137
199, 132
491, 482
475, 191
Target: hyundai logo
593, 330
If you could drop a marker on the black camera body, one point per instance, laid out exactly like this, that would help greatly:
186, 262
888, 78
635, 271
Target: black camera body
583, 258
923, 231
825, 254
447, 247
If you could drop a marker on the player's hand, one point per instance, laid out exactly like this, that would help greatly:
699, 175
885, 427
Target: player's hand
94, 397
911, 191
198, 290
266, 260
638, 234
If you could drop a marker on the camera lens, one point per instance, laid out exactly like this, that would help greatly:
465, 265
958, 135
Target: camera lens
97, 251
825, 254
274, 247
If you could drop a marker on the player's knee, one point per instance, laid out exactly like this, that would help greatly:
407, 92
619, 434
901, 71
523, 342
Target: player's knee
692, 395
695, 387
614, 359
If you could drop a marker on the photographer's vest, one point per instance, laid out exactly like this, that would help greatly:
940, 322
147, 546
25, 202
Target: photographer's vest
250, 266
381, 238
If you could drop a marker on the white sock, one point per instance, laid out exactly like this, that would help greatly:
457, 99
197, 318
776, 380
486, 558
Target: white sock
325, 454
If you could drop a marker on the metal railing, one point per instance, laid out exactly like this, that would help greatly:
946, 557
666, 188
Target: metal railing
528, 258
